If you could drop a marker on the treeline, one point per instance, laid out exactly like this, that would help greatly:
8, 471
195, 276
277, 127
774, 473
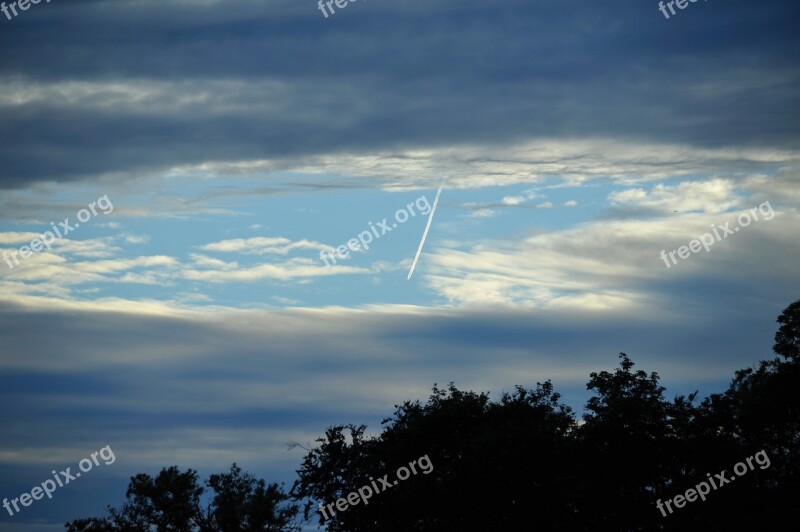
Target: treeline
525, 462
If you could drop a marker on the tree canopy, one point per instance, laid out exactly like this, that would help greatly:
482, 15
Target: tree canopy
170, 502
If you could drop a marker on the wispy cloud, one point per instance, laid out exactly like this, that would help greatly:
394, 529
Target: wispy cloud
263, 246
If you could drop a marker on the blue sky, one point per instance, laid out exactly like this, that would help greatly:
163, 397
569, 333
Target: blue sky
195, 323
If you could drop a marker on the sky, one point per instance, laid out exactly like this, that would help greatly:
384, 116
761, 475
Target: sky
205, 157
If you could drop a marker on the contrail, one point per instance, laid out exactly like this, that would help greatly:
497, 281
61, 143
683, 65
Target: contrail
425, 234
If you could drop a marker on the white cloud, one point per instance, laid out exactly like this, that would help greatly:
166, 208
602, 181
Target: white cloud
204, 261
109, 225
784, 186
611, 264
263, 245
289, 270
714, 196
512, 200
44, 267
571, 161
136, 239
16, 237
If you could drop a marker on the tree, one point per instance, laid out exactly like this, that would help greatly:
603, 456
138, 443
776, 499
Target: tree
497, 465
242, 503
787, 339
629, 447
170, 502
759, 411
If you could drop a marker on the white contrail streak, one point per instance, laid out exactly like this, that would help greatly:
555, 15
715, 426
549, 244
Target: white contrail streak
425, 234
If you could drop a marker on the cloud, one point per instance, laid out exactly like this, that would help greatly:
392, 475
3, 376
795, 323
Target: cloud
784, 186
612, 264
512, 200
204, 261
294, 269
263, 246
483, 213
713, 196
489, 209
136, 239
17, 237
34, 273
255, 95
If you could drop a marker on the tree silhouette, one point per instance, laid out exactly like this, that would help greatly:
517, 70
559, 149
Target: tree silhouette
485, 455
628, 442
760, 410
787, 339
243, 503
170, 502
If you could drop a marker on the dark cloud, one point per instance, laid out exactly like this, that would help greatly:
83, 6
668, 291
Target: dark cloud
382, 75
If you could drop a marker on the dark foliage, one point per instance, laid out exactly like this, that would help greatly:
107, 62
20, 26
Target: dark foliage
170, 502
787, 340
